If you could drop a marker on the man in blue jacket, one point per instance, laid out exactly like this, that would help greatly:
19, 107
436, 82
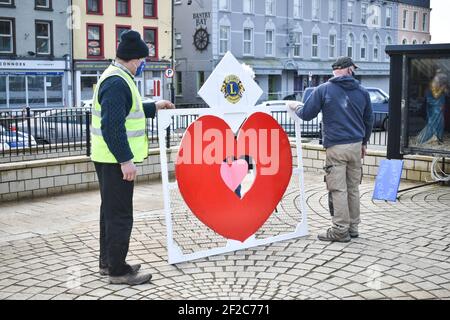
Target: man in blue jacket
347, 125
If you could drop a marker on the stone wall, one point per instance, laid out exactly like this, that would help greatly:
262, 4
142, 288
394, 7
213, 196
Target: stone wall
38, 178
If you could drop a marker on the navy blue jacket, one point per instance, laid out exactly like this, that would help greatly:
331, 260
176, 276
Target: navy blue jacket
346, 111
115, 98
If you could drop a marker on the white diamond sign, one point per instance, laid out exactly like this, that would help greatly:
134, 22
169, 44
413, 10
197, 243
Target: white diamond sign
230, 87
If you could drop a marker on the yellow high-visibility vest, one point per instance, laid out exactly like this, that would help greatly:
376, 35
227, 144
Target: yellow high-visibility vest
135, 123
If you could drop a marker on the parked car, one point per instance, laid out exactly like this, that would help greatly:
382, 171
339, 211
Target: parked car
308, 128
380, 105
11, 138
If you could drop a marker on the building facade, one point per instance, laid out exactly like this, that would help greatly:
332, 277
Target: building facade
290, 44
97, 26
35, 54
414, 22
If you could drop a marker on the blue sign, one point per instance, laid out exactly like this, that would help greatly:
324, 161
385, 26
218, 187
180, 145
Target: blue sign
388, 180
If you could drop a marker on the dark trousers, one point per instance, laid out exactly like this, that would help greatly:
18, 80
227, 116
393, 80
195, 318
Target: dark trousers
116, 218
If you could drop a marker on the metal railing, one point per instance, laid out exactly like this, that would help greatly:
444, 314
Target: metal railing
61, 132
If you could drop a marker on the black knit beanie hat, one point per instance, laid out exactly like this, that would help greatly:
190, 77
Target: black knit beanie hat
132, 46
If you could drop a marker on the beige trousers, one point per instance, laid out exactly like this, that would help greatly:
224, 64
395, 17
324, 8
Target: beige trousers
343, 177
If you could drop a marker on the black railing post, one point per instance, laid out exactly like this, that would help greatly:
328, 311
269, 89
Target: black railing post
88, 133
29, 126
168, 137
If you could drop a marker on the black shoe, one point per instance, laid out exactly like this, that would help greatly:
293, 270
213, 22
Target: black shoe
131, 279
134, 270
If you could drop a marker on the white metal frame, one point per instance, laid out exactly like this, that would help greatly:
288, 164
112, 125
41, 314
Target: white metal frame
175, 255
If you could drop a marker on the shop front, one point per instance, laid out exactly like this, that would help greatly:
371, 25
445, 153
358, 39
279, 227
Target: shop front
34, 83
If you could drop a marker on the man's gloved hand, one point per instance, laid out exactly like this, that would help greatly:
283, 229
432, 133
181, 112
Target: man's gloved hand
293, 105
164, 104
129, 170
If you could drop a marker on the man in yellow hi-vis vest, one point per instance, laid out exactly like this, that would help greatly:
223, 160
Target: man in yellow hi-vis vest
119, 140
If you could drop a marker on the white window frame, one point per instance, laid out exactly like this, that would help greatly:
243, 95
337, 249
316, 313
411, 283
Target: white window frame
332, 10
389, 17
11, 35
405, 19
364, 45
315, 9
298, 9
350, 40
178, 40
270, 43
404, 41
224, 40
388, 42
364, 8
178, 84
48, 38
10, 3
227, 6
415, 20
332, 47
425, 22
272, 5
376, 48
350, 11
251, 42
313, 46
252, 6
47, 6
297, 44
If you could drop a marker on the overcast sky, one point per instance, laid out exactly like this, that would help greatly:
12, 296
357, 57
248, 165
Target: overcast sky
440, 21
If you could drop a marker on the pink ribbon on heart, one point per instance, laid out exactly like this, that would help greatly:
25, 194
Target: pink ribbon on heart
233, 174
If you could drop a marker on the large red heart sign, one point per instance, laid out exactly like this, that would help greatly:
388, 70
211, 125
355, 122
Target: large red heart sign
206, 144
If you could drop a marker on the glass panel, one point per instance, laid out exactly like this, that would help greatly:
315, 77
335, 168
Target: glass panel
17, 95
149, 8
36, 91
87, 87
55, 90
2, 91
150, 40
428, 105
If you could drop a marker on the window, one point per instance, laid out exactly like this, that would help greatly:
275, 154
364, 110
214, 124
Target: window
7, 36
43, 37
376, 96
269, 42
424, 42
94, 40
43, 4
248, 6
405, 18
425, 22
178, 38
376, 48
405, 41
332, 10
297, 8
297, 44
375, 13
414, 41
415, 16
123, 8
200, 79
179, 83
364, 13
332, 45
224, 5
94, 6
350, 6
6, 3
270, 7
350, 45
388, 16
224, 39
150, 8
151, 39
364, 43
388, 42
119, 31
315, 46
248, 41
315, 9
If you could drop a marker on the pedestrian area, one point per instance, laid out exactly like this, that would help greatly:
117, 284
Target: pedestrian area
48, 250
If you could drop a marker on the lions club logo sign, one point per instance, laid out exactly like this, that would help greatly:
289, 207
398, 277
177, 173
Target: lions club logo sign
232, 89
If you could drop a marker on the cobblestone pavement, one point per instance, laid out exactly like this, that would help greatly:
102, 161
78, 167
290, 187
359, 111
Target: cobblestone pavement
48, 250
